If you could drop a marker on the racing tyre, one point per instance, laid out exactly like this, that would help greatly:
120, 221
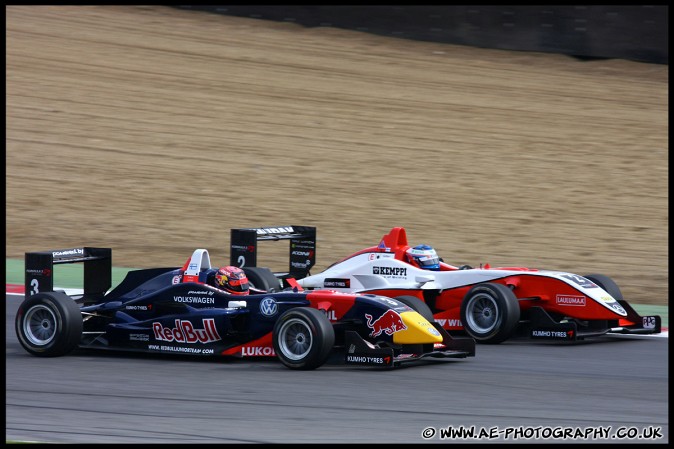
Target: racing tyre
49, 324
418, 306
303, 338
490, 313
607, 284
262, 279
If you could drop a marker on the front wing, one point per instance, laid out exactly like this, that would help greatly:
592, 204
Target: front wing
544, 327
362, 352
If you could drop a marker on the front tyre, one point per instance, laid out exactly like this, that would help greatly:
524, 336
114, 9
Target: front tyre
303, 338
607, 284
49, 324
418, 306
490, 313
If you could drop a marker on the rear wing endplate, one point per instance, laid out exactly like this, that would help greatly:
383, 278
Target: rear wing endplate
39, 269
302, 247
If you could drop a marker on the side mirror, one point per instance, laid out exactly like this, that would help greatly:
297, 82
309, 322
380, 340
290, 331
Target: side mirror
422, 279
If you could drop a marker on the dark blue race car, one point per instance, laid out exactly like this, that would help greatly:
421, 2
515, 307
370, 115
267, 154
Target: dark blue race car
176, 311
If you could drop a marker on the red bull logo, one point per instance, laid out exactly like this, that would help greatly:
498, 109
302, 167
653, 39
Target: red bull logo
184, 332
389, 323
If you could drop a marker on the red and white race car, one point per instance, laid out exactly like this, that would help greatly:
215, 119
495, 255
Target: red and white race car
490, 304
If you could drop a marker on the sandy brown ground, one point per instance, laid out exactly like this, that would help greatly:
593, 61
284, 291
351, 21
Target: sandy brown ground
155, 131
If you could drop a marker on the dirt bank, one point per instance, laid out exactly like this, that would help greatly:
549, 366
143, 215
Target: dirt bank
154, 131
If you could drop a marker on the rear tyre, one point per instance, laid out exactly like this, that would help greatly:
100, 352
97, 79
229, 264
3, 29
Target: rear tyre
490, 313
49, 324
418, 306
303, 338
262, 278
607, 284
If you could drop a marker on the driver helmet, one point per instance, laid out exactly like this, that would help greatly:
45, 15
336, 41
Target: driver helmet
424, 256
232, 280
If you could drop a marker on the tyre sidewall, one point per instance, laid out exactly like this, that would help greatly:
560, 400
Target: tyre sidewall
508, 313
323, 337
68, 322
262, 279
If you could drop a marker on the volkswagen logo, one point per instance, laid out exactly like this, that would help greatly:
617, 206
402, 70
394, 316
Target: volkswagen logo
268, 307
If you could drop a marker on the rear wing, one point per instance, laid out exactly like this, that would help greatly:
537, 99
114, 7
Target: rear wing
39, 269
302, 247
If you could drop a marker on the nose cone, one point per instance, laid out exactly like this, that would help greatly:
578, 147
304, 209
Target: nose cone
417, 330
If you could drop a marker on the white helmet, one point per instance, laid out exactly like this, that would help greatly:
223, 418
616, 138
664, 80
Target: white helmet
425, 256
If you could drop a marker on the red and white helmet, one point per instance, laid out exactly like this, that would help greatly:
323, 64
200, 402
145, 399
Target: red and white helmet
233, 280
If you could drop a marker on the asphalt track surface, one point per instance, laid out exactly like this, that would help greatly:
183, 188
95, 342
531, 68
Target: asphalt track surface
603, 388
